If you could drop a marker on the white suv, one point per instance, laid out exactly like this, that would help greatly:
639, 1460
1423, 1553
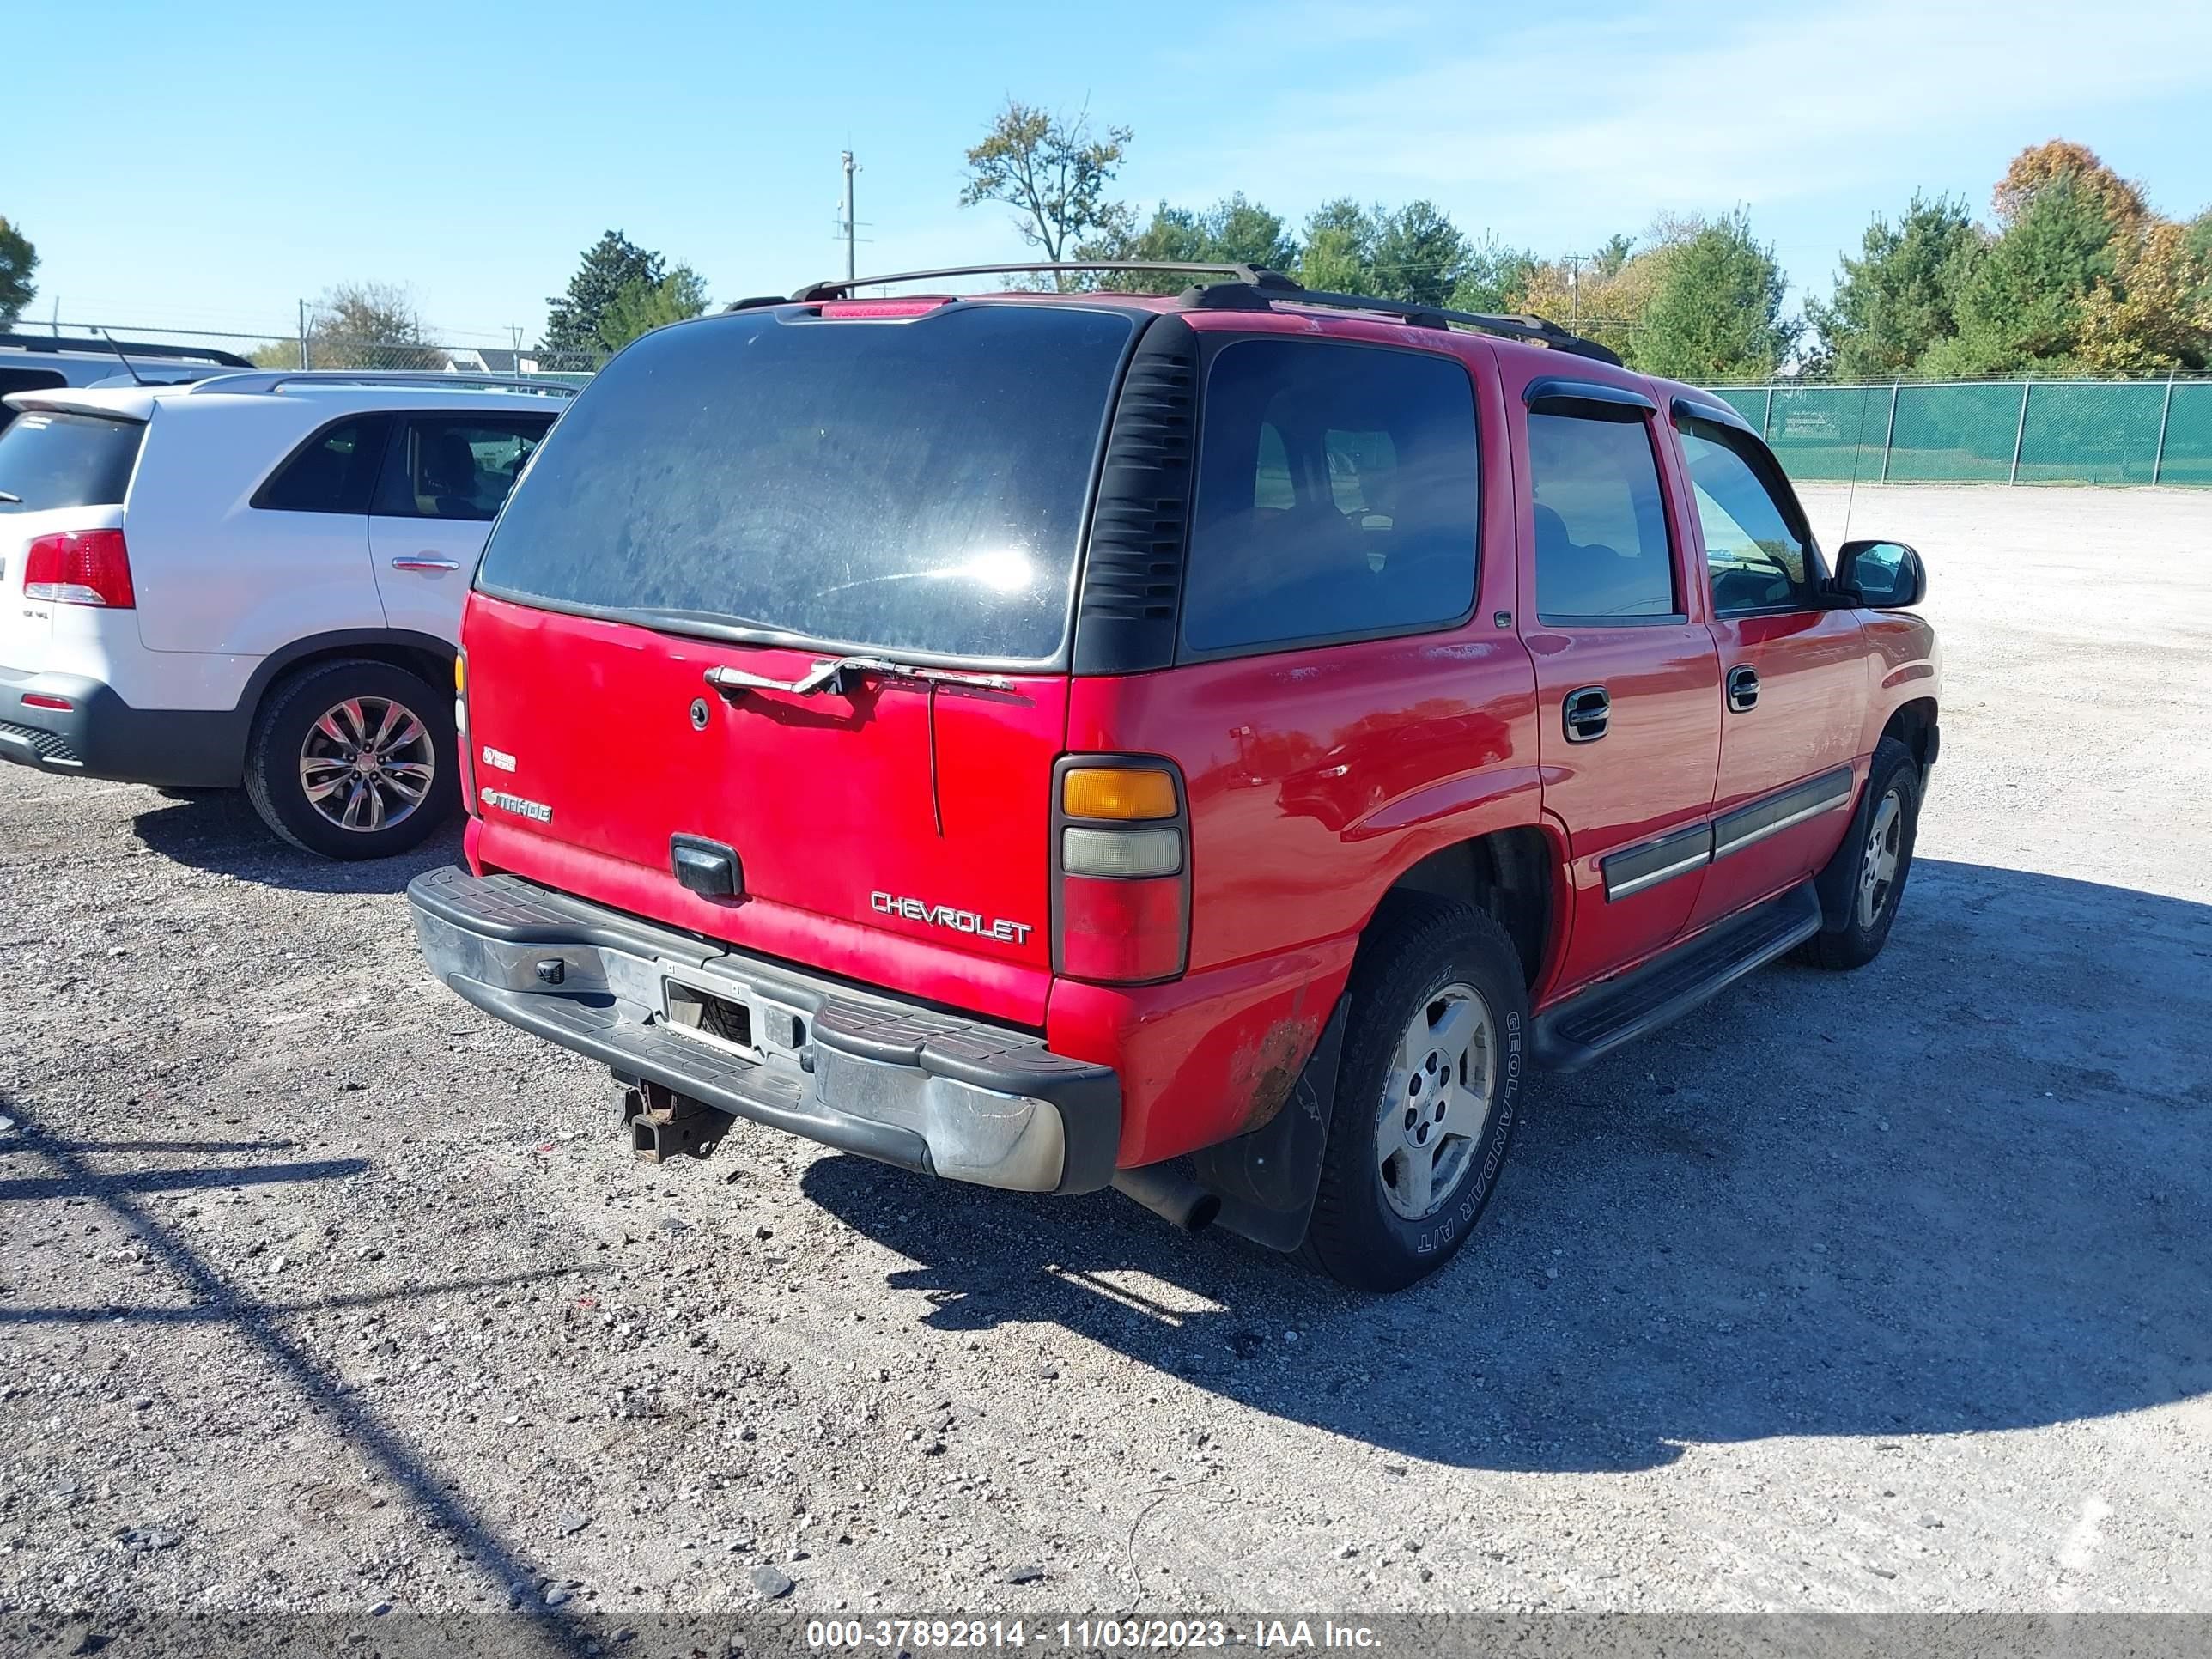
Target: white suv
256, 580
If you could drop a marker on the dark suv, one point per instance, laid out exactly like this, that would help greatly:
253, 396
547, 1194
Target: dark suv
1209, 745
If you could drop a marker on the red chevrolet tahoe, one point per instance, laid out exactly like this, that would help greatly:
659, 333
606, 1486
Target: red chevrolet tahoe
1209, 746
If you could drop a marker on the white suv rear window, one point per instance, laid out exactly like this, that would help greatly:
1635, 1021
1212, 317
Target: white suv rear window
50, 459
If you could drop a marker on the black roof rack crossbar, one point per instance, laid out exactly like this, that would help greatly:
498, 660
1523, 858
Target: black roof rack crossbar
1252, 288
1537, 329
1258, 277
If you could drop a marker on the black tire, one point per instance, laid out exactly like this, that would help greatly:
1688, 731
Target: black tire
1865, 932
287, 715
1416, 947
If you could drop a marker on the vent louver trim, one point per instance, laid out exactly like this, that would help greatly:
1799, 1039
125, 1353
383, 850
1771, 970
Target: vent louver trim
1132, 572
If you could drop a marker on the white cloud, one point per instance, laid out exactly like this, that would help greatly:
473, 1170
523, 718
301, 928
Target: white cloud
1694, 107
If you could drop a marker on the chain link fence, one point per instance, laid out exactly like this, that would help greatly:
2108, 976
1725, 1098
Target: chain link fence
2014, 432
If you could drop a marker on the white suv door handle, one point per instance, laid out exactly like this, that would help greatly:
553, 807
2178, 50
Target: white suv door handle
425, 562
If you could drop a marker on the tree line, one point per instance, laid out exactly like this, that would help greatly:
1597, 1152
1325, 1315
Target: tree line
620, 291
2074, 274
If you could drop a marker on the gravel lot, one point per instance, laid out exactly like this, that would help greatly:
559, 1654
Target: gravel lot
319, 1291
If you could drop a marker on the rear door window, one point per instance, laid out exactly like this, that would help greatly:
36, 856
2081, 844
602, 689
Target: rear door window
1602, 551
333, 471
1338, 493
916, 484
451, 466
49, 459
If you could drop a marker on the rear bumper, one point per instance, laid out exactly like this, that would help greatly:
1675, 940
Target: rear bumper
100, 736
852, 1069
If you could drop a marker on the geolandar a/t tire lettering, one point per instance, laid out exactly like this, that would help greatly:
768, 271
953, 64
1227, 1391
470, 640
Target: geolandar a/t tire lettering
1429, 1094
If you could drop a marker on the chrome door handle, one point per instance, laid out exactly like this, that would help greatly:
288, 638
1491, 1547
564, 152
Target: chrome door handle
1742, 689
1586, 713
425, 562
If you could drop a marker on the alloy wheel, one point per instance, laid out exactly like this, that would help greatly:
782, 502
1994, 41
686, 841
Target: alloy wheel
1884, 850
1438, 1096
367, 764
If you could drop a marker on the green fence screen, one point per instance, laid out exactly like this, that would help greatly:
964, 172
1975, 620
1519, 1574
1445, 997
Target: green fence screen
2076, 432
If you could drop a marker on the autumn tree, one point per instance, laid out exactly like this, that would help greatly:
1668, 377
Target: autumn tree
1054, 173
2155, 313
2019, 305
1605, 296
2039, 168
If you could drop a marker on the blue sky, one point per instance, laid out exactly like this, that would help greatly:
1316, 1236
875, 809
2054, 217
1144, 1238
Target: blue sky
206, 166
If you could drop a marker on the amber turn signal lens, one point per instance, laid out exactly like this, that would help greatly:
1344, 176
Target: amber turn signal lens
1122, 793
460, 673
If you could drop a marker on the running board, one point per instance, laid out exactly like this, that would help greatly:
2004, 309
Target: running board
1592, 1022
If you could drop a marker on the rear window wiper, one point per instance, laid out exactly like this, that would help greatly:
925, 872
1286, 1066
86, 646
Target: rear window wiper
10, 495
831, 675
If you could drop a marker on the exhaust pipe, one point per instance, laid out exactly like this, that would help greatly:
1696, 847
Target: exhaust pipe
1171, 1194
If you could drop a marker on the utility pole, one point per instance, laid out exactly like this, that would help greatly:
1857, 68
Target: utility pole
303, 334
846, 227
1575, 287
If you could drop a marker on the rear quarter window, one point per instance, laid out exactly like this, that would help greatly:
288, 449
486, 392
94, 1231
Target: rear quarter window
1339, 488
333, 471
50, 459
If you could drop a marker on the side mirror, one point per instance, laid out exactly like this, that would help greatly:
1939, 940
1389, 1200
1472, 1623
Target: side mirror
1885, 575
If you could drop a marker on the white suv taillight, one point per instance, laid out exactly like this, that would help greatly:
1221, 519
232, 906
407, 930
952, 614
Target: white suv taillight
80, 567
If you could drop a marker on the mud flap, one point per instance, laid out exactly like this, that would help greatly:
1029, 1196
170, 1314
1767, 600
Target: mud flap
1836, 885
1267, 1179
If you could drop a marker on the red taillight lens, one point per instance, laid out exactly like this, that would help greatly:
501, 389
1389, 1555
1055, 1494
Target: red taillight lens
1122, 932
80, 567
1121, 859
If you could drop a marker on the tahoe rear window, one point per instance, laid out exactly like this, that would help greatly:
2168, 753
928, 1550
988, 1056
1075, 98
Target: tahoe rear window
50, 459
914, 485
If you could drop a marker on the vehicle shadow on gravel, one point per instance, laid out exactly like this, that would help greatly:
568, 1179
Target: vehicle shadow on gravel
212, 1297
1967, 1188
219, 832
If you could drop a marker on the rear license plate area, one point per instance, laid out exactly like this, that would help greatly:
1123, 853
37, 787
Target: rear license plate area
722, 1021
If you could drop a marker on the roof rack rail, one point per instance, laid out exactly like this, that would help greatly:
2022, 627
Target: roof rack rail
1537, 330
1249, 288
270, 380
1251, 275
93, 344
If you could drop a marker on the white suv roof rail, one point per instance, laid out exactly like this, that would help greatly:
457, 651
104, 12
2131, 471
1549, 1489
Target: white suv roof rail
270, 380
